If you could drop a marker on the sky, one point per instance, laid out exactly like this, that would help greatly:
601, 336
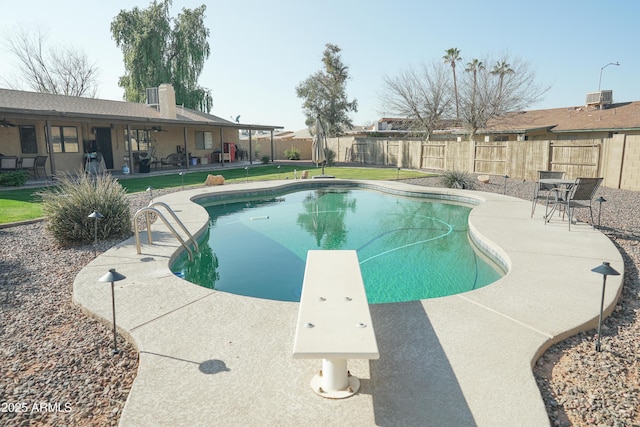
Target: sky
260, 51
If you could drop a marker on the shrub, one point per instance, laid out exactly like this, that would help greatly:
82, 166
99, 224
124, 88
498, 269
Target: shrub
331, 157
68, 205
14, 179
265, 160
292, 153
457, 179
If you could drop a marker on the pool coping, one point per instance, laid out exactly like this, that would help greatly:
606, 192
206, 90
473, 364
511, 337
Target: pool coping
207, 357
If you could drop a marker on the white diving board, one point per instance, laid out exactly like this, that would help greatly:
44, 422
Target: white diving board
334, 322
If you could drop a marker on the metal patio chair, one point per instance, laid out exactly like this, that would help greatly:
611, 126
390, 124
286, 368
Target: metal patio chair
541, 190
578, 196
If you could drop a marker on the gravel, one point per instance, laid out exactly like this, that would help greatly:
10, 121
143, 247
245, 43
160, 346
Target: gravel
57, 368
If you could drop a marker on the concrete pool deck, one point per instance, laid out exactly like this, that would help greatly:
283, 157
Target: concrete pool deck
212, 358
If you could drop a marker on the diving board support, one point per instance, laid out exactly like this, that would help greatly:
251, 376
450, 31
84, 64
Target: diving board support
334, 322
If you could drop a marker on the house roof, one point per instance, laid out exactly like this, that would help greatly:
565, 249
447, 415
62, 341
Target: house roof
46, 105
620, 116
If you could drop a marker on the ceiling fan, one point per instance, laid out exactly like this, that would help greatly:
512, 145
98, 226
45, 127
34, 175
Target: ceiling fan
158, 129
6, 124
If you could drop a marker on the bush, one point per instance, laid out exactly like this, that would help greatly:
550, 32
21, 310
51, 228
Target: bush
13, 179
292, 153
265, 160
457, 179
68, 205
331, 157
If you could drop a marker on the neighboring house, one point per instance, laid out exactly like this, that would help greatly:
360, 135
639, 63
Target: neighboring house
596, 139
69, 130
280, 142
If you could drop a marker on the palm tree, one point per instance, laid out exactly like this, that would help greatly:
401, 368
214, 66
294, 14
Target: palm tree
452, 56
473, 67
501, 69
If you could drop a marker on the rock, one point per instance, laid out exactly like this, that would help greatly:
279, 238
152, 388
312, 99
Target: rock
214, 180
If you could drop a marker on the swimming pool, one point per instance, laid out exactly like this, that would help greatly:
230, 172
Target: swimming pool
409, 248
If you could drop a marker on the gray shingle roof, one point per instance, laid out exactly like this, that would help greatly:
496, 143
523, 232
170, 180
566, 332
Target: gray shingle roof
50, 105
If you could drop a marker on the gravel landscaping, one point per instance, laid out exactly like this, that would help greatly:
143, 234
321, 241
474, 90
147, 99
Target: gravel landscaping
57, 367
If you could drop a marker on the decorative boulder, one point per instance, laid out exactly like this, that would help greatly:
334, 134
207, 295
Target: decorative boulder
483, 179
214, 180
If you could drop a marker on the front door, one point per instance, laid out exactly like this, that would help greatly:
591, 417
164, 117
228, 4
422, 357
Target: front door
103, 145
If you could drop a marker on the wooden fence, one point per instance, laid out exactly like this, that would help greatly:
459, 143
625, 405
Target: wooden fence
617, 159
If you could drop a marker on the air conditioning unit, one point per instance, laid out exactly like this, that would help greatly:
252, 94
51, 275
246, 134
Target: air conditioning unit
152, 96
604, 97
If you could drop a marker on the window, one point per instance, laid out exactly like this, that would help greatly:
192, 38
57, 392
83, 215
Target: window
28, 140
204, 140
501, 138
64, 139
140, 139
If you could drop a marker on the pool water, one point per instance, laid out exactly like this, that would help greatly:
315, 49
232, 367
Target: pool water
409, 248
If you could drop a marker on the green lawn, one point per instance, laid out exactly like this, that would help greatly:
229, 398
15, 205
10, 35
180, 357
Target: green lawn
23, 204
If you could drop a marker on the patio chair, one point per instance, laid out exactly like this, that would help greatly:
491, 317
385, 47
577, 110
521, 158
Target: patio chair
28, 164
41, 165
8, 163
541, 190
578, 196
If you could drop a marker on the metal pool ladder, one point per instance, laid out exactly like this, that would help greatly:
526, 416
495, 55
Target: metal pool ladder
151, 208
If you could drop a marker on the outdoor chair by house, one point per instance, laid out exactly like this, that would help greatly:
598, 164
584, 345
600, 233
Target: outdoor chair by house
541, 190
28, 164
173, 159
8, 163
578, 196
41, 166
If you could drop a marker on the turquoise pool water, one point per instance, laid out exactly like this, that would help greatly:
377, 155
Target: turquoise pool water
409, 248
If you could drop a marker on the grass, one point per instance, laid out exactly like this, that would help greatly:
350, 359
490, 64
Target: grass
22, 204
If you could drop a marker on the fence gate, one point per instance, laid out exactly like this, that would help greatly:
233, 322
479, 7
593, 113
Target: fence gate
490, 157
433, 155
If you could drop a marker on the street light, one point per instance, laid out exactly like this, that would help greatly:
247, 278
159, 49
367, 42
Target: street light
610, 63
97, 216
606, 270
113, 276
600, 200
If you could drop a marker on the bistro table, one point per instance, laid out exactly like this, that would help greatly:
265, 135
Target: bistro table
560, 185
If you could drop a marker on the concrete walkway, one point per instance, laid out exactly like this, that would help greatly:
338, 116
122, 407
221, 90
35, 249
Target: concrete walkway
212, 358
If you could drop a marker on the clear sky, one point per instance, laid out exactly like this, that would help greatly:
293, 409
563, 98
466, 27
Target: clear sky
261, 50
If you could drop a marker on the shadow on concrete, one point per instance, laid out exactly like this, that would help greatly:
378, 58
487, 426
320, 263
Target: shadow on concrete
412, 383
208, 367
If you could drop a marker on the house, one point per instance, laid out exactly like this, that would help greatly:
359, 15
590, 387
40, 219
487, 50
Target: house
72, 131
600, 138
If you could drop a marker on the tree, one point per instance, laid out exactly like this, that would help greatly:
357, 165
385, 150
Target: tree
424, 99
155, 52
324, 94
501, 69
64, 70
483, 98
452, 56
421, 97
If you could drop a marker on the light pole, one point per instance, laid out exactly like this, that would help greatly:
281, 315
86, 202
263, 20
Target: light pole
97, 216
600, 200
606, 270
610, 63
113, 276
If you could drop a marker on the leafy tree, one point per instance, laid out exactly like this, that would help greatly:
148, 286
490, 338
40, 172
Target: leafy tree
324, 94
452, 56
156, 52
63, 70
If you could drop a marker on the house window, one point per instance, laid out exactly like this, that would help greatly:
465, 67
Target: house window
204, 140
64, 139
28, 140
501, 138
140, 139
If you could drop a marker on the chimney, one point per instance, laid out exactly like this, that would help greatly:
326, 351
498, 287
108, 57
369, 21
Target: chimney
167, 101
